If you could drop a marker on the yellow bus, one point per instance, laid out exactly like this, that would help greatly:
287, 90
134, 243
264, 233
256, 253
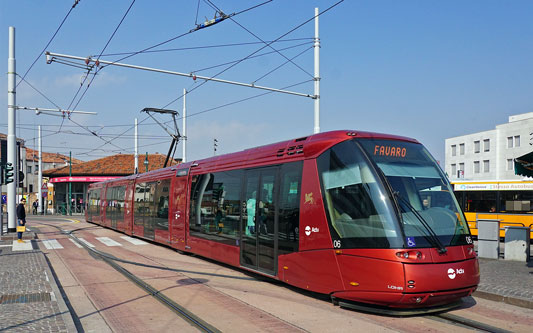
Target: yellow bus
508, 201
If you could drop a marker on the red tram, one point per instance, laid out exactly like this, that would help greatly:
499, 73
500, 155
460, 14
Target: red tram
366, 218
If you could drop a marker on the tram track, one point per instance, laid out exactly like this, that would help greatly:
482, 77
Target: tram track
466, 322
203, 326
178, 309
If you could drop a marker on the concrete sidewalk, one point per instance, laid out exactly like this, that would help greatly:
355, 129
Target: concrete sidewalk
30, 299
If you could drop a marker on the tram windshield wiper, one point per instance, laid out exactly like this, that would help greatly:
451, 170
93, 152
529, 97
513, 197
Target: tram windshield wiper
431, 236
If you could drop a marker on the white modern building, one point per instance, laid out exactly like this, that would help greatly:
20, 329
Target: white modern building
489, 155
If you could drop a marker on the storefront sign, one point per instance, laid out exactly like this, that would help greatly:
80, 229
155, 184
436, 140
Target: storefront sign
79, 179
493, 187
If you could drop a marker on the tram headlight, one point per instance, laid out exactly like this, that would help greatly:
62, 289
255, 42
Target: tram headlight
410, 255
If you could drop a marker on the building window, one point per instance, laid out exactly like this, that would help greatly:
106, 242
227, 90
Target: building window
510, 164
476, 166
513, 141
476, 146
517, 141
454, 150
462, 149
28, 170
31, 188
486, 145
486, 166
454, 170
461, 170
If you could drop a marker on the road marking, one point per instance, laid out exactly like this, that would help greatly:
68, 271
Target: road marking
85, 242
108, 241
6, 245
52, 244
70, 221
133, 241
75, 243
26, 246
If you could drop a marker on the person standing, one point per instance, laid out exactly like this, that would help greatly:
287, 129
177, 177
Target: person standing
21, 217
35, 205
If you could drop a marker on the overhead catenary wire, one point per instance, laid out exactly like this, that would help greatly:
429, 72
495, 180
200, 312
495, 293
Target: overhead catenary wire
205, 47
49, 42
171, 39
37, 90
253, 53
268, 44
245, 59
97, 69
253, 57
281, 65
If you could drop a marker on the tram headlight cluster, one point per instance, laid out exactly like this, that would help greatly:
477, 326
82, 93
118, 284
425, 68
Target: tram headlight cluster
415, 255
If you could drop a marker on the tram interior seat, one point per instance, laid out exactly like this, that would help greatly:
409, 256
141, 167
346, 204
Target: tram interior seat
361, 227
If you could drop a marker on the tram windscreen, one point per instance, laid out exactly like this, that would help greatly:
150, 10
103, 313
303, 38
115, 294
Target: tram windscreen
423, 193
359, 214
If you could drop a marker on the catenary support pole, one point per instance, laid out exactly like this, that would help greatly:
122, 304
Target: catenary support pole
11, 132
40, 177
184, 135
136, 167
317, 75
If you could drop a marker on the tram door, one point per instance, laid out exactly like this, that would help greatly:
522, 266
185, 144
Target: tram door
258, 249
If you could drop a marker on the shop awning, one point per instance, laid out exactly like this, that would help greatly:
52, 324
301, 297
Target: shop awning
523, 165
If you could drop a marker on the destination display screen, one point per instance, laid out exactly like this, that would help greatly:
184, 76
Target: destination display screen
395, 151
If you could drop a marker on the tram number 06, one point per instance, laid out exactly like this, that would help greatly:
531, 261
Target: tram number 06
337, 244
468, 240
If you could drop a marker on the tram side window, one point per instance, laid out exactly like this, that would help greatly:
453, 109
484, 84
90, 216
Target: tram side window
94, 203
516, 201
118, 197
289, 208
149, 207
215, 206
110, 204
138, 204
162, 190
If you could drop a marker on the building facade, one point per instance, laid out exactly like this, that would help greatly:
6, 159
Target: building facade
489, 155
70, 184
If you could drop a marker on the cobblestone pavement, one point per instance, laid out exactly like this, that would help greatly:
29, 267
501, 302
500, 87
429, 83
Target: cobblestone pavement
29, 297
508, 279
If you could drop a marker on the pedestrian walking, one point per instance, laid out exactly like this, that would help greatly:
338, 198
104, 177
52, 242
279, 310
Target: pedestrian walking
35, 205
21, 217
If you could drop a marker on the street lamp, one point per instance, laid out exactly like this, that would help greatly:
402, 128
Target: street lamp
146, 162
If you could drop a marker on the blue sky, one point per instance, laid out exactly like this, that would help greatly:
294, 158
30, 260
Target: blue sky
424, 69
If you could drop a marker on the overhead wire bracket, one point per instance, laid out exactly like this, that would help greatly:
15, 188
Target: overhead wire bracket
214, 21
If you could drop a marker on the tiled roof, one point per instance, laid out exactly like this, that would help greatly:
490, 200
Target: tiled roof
4, 137
33, 155
116, 165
